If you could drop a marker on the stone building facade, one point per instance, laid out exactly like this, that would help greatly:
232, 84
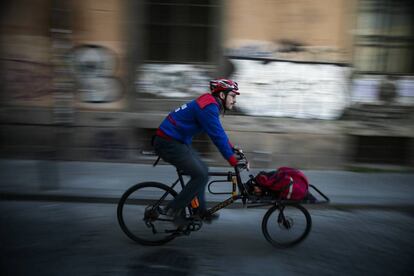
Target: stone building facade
91, 80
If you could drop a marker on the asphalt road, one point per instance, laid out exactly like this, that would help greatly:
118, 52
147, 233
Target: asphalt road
106, 182
55, 238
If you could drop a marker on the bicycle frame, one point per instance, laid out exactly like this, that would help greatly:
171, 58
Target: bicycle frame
239, 190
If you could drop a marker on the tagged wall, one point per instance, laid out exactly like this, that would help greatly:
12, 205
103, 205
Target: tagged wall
285, 89
271, 88
173, 80
367, 89
94, 69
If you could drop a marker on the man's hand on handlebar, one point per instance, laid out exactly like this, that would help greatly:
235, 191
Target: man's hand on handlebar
239, 152
236, 148
242, 162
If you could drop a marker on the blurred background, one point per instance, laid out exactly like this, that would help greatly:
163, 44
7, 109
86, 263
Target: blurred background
325, 84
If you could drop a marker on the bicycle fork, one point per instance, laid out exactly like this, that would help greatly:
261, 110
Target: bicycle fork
282, 220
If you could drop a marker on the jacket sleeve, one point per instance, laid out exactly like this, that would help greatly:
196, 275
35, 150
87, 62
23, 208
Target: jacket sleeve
208, 118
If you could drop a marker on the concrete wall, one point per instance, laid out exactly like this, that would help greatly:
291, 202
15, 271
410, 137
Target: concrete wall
102, 24
321, 28
102, 127
121, 137
28, 45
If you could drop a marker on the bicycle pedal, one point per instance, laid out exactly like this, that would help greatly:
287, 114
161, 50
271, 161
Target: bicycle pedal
195, 225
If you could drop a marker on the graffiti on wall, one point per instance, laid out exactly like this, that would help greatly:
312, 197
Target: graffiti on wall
27, 80
272, 88
251, 51
286, 89
285, 49
405, 87
367, 89
173, 80
94, 70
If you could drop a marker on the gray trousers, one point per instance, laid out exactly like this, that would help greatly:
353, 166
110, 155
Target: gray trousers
185, 159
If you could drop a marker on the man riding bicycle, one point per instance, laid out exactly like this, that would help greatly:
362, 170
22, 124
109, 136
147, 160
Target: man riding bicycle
173, 143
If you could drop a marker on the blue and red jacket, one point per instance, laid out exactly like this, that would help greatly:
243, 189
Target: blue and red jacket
199, 115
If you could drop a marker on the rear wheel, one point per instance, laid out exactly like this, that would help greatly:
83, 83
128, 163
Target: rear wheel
138, 213
285, 225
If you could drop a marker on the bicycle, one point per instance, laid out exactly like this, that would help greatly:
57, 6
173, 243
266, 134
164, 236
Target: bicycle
141, 203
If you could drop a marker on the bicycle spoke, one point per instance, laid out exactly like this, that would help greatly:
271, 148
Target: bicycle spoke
138, 213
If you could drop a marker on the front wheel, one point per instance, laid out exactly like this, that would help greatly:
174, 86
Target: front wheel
285, 225
138, 213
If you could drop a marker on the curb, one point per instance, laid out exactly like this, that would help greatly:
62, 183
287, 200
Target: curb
12, 196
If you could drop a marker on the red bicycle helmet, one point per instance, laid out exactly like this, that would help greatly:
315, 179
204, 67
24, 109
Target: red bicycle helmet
224, 85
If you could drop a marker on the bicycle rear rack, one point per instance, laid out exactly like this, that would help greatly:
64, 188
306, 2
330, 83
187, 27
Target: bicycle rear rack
311, 199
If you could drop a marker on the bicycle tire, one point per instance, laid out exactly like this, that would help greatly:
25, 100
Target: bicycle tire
144, 201
287, 217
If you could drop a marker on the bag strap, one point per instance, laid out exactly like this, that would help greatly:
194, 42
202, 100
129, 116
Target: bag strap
289, 186
288, 196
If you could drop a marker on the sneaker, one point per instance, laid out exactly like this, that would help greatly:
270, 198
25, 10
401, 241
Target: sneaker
177, 216
180, 220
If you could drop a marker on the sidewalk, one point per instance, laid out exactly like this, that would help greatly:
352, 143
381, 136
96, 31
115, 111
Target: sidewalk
105, 183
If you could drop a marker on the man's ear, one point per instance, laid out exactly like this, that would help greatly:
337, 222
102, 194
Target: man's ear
222, 95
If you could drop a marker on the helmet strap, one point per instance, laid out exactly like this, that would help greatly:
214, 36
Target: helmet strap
221, 102
224, 103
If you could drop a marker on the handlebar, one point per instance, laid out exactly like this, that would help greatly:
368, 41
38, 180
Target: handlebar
243, 163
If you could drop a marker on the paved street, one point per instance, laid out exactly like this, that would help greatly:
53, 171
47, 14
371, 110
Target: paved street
105, 182
55, 238
365, 230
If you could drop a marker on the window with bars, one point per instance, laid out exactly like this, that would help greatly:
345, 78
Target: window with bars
181, 31
384, 41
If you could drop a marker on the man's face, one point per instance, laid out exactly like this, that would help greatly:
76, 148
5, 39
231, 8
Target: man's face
230, 100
